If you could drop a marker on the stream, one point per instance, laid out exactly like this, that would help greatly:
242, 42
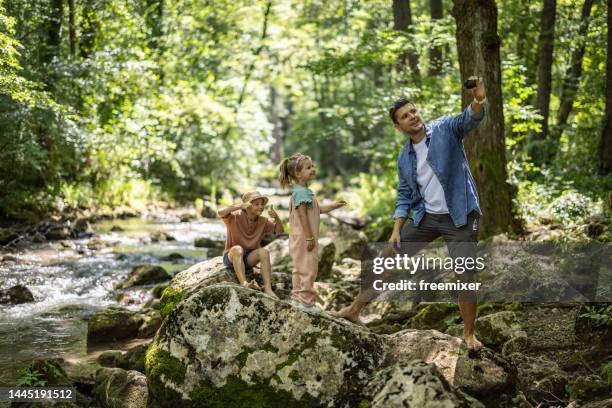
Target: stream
70, 282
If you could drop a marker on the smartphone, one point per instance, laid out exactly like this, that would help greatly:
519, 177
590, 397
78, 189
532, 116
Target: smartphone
469, 83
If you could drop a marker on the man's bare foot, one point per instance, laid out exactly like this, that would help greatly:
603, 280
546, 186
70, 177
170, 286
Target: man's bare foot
346, 313
271, 293
472, 342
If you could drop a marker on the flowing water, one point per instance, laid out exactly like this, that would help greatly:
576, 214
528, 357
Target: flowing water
70, 282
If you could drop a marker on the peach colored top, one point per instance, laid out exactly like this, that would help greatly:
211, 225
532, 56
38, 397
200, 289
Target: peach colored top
241, 232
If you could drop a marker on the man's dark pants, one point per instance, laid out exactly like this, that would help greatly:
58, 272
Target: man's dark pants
461, 242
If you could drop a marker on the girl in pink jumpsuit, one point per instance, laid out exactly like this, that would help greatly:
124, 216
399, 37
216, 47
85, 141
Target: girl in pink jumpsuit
304, 214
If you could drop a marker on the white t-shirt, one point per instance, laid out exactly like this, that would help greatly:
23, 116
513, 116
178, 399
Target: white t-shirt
429, 185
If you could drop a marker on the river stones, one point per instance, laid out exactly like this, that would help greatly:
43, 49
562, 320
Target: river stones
145, 275
58, 231
110, 358
7, 235
16, 295
111, 324
119, 388
205, 242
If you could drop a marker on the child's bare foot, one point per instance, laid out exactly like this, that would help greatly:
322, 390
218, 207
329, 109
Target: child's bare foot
347, 313
251, 285
472, 342
271, 293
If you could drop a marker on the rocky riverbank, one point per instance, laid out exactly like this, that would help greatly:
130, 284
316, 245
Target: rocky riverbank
203, 340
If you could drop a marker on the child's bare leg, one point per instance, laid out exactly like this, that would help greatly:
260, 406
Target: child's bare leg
263, 255
235, 255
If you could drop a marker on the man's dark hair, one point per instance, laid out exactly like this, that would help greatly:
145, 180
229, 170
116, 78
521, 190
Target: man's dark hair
398, 104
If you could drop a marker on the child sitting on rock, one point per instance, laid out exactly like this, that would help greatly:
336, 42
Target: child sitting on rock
245, 230
304, 213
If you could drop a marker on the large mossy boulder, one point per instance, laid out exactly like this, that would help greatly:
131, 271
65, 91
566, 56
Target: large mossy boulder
112, 324
118, 388
225, 345
145, 275
230, 346
208, 273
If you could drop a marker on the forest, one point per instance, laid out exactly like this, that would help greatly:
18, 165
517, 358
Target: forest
107, 103
128, 126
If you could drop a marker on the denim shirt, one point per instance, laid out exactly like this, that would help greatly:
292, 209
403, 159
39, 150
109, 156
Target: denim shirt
446, 156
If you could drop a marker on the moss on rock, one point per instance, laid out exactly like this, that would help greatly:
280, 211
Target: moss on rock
237, 393
435, 316
169, 299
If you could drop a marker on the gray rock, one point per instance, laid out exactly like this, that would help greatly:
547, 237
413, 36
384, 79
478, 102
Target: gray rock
205, 242
157, 236
58, 231
349, 242
111, 324
208, 273
118, 388
282, 262
7, 235
327, 254
414, 383
230, 346
538, 377
134, 358
209, 210
111, 358
234, 346
16, 295
151, 321
279, 255
145, 275
477, 373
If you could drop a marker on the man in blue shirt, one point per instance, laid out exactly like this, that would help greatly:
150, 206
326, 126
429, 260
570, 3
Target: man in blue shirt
436, 186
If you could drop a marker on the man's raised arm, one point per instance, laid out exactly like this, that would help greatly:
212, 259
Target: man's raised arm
471, 117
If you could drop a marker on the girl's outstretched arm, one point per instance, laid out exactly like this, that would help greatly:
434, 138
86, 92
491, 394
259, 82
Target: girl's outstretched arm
325, 208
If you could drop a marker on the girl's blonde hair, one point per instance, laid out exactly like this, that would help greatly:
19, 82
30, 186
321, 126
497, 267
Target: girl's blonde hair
289, 168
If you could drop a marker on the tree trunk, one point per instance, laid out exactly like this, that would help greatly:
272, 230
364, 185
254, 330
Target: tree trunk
277, 127
153, 19
605, 148
71, 27
478, 47
89, 29
435, 53
402, 21
574, 72
547, 40
54, 27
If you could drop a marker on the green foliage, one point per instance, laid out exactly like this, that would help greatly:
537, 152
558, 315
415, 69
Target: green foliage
606, 372
599, 316
29, 377
191, 100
